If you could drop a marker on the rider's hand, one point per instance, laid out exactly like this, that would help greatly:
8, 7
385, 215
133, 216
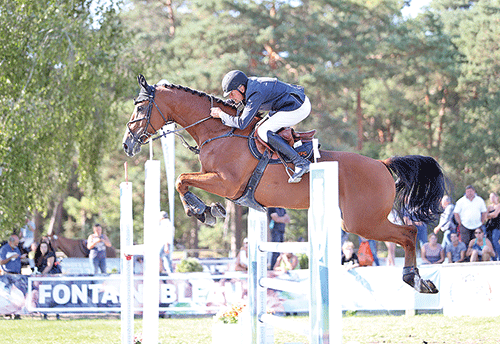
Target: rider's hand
215, 112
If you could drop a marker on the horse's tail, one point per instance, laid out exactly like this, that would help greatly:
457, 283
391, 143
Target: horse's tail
420, 186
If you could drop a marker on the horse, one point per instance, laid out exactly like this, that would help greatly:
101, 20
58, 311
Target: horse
76, 248
368, 189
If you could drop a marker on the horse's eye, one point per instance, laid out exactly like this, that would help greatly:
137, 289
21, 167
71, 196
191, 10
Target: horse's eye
140, 108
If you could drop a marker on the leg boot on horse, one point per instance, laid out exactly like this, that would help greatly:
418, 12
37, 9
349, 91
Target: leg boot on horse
301, 164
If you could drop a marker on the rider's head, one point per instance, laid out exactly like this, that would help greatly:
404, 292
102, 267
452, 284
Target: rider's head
233, 80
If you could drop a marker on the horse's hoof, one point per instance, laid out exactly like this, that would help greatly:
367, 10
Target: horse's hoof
427, 287
210, 220
413, 279
217, 210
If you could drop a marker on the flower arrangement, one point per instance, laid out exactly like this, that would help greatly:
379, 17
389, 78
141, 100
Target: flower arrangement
230, 315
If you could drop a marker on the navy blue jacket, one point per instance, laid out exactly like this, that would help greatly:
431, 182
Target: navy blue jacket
266, 94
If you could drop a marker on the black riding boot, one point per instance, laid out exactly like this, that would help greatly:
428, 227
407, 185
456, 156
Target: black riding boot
301, 164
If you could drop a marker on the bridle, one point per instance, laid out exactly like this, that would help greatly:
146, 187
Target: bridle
144, 136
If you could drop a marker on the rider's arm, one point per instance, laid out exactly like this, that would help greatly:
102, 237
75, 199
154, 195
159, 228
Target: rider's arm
249, 112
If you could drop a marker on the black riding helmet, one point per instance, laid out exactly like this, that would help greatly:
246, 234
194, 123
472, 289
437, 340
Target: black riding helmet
232, 80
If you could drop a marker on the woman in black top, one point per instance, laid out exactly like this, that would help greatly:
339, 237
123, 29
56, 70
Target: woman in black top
45, 259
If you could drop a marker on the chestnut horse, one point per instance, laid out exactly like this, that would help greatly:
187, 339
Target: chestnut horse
367, 189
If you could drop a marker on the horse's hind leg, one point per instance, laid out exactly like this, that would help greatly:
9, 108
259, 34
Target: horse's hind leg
406, 237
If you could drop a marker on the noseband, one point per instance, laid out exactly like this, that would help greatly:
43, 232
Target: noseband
145, 135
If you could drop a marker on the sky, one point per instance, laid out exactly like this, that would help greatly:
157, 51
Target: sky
415, 7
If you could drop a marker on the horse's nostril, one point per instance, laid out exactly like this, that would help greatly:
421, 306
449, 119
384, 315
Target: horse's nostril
125, 146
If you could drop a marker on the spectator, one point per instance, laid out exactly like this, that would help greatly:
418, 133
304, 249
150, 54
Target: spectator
455, 251
349, 258
408, 219
165, 260
286, 262
10, 256
31, 256
278, 218
365, 253
480, 249
446, 221
432, 252
241, 263
493, 224
470, 214
45, 259
97, 243
27, 235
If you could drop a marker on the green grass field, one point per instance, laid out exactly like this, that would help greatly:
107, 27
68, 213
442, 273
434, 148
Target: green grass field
356, 329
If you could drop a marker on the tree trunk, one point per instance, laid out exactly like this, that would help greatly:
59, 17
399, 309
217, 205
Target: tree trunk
359, 115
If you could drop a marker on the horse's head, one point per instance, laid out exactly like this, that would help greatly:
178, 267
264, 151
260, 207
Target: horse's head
142, 124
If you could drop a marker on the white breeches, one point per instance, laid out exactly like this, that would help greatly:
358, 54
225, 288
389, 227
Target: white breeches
283, 119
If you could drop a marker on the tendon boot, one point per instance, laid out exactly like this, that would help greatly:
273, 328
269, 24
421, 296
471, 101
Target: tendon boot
301, 164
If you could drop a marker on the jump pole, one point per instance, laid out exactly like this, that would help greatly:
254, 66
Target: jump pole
324, 224
127, 264
150, 250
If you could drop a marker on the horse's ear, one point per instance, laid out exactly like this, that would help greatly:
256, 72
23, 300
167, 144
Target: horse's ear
142, 82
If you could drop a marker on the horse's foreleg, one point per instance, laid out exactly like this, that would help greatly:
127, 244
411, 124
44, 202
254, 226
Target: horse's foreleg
211, 182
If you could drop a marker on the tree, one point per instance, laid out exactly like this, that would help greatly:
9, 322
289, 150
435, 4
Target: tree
57, 85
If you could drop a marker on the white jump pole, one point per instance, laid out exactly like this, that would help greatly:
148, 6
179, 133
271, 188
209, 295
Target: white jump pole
324, 224
151, 284
127, 268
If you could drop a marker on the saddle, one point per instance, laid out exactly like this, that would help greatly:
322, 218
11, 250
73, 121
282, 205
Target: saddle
300, 141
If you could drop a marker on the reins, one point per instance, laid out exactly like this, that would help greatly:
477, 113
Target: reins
194, 149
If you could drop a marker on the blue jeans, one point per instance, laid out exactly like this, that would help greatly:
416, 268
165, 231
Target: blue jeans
373, 248
422, 234
98, 263
496, 245
446, 238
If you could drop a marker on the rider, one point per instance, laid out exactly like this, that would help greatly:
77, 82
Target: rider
287, 105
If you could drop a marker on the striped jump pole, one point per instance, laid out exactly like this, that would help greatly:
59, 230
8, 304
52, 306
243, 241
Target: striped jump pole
324, 224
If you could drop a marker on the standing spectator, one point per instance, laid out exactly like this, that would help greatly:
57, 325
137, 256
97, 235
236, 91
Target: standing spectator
432, 252
446, 221
27, 235
470, 214
165, 261
97, 243
480, 249
455, 251
45, 260
278, 218
241, 263
10, 256
421, 228
493, 224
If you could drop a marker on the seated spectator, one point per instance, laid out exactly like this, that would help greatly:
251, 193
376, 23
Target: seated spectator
10, 256
432, 252
45, 260
480, 249
241, 263
31, 255
349, 258
286, 262
455, 251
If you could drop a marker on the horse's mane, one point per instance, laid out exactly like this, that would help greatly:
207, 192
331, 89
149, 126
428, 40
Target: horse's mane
229, 103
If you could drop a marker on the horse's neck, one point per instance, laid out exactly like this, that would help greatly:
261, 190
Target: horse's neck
193, 108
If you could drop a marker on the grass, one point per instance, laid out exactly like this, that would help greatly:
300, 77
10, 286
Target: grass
420, 329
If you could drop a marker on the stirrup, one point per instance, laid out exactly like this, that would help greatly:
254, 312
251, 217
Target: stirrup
297, 176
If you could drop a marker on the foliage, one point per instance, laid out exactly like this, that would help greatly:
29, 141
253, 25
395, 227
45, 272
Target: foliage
229, 315
189, 265
57, 81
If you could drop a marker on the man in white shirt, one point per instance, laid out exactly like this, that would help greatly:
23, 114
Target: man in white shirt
470, 213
